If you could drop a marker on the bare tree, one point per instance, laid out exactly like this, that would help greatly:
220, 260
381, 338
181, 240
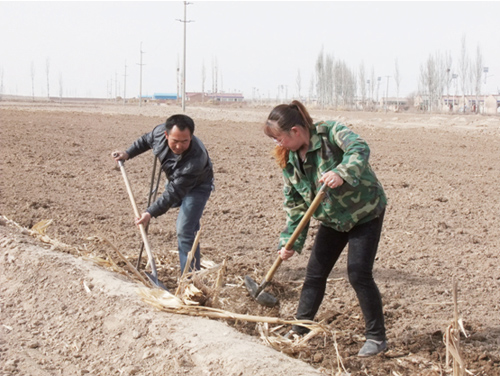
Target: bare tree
47, 68
215, 74
311, 88
329, 80
378, 87
439, 80
362, 83
203, 77
298, 83
345, 84
1, 82
372, 84
60, 87
463, 69
429, 82
339, 84
33, 80
397, 78
449, 76
476, 74
320, 78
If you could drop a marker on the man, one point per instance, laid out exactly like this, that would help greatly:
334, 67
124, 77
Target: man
188, 168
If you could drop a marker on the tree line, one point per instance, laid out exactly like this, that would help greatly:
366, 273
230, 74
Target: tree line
336, 85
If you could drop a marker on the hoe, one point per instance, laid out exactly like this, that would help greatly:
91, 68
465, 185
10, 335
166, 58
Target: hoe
255, 290
153, 276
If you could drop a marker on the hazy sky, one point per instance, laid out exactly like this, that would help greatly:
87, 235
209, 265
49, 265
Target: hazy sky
257, 46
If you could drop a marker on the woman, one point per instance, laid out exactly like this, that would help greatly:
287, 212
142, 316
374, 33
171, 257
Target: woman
351, 213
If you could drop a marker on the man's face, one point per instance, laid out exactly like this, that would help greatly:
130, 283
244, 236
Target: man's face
178, 141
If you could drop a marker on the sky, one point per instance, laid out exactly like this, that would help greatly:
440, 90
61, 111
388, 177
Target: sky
260, 48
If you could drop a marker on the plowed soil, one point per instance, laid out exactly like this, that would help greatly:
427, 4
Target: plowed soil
63, 315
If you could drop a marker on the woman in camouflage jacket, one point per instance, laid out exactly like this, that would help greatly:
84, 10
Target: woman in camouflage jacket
352, 212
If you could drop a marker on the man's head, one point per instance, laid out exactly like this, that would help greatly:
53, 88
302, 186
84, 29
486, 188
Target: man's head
180, 129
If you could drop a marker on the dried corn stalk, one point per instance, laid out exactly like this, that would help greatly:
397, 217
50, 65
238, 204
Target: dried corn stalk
38, 231
452, 339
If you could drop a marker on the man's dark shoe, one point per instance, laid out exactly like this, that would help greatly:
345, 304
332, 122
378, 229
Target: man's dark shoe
372, 347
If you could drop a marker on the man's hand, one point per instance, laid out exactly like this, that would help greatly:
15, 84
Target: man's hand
285, 254
119, 155
143, 220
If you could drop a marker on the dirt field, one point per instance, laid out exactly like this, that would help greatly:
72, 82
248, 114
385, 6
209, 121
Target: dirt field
62, 314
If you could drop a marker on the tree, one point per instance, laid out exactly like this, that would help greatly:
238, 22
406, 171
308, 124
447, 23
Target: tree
203, 77
298, 83
47, 65
33, 80
449, 76
442, 77
372, 84
429, 82
476, 75
463, 69
362, 83
397, 78
1, 82
329, 81
214, 75
311, 88
320, 79
60, 87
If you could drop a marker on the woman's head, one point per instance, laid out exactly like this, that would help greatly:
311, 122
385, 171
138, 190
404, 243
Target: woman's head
286, 116
288, 125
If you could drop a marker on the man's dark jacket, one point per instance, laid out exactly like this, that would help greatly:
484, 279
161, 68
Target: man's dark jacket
184, 172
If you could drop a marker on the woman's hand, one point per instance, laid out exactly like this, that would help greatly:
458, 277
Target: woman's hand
285, 254
331, 179
143, 220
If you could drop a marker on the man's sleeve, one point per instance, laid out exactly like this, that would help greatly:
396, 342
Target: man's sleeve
142, 144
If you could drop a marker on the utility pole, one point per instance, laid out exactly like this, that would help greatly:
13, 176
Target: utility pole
140, 78
125, 83
184, 62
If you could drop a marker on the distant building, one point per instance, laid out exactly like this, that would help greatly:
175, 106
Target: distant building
214, 97
225, 97
164, 96
394, 103
492, 104
456, 103
196, 97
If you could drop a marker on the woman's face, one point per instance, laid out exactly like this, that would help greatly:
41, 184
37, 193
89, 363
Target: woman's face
288, 140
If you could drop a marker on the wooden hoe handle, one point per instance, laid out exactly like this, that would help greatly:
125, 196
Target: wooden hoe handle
137, 214
304, 221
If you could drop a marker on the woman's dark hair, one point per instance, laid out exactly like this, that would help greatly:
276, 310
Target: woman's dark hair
181, 121
285, 116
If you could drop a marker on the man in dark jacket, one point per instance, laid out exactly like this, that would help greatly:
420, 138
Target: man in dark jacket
185, 161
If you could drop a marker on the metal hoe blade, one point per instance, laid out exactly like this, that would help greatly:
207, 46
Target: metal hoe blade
262, 297
255, 290
155, 281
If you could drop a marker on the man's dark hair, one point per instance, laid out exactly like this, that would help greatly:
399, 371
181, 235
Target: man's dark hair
181, 121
